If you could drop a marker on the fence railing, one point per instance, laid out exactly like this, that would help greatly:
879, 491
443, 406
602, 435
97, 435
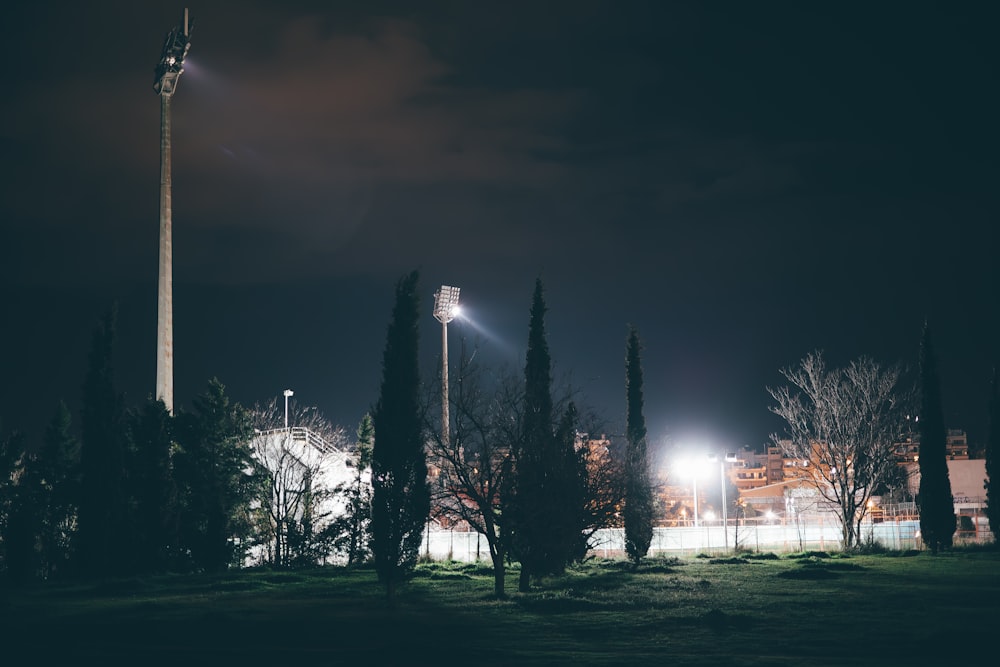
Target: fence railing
302, 434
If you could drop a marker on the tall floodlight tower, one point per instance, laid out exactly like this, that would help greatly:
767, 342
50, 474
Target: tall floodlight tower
167, 72
445, 309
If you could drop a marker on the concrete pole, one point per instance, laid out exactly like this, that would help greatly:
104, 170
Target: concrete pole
165, 299
725, 518
694, 484
445, 420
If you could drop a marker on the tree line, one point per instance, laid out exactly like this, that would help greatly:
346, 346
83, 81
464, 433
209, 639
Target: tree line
845, 424
142, 490
514, 465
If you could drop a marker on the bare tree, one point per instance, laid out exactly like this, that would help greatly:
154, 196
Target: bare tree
843, 425
475, 461
295, 493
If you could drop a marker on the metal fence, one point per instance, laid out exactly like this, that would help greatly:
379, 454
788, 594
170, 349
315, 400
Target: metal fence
819, 534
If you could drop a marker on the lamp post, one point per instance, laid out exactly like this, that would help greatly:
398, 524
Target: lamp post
288, 392
445, 309
694, 488
729, 457
693, 468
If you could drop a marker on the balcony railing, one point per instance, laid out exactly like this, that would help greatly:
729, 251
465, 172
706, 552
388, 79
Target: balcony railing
304, 435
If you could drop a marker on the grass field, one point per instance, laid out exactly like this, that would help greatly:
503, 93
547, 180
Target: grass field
801, 609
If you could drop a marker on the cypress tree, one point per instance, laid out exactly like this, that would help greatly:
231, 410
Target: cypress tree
570, 493
401, 495
103, 502
937, 509
638, 509
543, 505
992, 482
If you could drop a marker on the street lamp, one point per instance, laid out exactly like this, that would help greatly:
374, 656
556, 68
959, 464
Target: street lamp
445, 310
693, 468
288, 392
730, 457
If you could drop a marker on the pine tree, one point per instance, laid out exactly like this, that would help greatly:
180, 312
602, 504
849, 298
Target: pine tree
59, 461
401, 495
18, 520
214, 486
42, 513
104, 544
359, 508
152, 486
992, 482
937, 509
638, 509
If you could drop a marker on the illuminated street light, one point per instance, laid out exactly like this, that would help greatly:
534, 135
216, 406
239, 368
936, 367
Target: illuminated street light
729, 457
445, 310
288, 392
693, 468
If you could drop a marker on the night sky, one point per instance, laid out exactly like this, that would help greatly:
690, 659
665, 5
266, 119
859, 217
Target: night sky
745, 182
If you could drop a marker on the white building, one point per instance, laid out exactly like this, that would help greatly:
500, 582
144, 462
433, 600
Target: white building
302, 465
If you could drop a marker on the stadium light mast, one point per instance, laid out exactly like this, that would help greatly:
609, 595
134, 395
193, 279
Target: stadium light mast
445, 309
167, 72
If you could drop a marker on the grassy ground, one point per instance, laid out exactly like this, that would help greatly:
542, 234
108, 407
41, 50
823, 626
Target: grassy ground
803, 609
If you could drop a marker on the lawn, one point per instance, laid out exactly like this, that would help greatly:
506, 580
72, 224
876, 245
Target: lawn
800, 609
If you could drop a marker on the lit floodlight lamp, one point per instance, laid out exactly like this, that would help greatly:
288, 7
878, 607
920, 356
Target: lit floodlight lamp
171, 65
693, 469
728, 457
446, 304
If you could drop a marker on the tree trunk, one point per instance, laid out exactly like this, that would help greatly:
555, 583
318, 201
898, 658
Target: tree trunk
499, 575
277, 545
524, 581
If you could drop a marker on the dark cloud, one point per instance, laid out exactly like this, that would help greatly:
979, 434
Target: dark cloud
746, 182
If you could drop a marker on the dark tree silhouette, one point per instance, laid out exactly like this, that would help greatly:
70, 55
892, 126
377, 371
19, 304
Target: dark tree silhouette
475, 463
18, 520
992, 482
59, 468
638, 506
353, 528
401, 496
211, 477
571, 493
104, 545
41, 514
154, 494
937, 509
543, 503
